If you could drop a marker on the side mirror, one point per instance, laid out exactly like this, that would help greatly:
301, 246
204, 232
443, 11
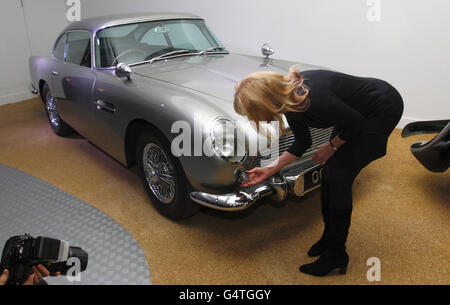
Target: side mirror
267, 50
123, 70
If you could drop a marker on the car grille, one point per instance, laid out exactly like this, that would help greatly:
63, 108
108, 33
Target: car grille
319, 136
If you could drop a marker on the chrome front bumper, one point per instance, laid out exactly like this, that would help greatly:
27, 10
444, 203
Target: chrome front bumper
277, 188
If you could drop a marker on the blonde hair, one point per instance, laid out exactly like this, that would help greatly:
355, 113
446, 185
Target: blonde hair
264, 96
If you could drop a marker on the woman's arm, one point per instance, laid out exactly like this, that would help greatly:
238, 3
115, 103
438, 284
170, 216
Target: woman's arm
337, 142
259, 174
326, 151
285, 159
302, 141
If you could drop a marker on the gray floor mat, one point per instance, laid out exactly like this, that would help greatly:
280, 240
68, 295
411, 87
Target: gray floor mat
30, 205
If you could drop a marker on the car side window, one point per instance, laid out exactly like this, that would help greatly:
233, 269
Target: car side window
107, 43
60, 48
79, 48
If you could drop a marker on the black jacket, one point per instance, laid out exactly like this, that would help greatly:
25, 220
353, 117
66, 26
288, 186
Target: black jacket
356, 106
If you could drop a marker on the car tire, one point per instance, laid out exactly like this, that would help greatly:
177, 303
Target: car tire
163, 176
60, 127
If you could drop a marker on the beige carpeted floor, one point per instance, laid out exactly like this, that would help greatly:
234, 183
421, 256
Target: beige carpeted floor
401, 215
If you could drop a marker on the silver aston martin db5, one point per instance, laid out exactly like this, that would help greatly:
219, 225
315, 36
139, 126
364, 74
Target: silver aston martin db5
127, 83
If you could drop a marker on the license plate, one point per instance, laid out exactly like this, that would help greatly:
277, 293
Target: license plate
308, 181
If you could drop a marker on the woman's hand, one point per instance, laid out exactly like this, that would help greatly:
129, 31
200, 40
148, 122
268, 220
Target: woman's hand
258, 175
323, 153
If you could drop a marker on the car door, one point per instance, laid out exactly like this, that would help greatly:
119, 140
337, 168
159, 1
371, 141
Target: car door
111, 96
75, 80
58, 59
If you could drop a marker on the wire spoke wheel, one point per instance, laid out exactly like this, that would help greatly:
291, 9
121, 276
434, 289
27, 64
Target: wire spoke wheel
53, 114
163, 176
159, 172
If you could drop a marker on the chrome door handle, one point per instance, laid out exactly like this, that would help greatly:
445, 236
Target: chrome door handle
55, 73
102, 105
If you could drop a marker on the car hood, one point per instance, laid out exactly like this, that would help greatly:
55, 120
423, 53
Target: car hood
213, 74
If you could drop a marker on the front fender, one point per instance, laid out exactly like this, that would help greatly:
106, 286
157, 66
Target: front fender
162, 104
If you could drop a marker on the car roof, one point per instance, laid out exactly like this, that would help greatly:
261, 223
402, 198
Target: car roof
96, 23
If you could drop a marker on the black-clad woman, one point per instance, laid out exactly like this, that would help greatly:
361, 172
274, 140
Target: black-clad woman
363, 111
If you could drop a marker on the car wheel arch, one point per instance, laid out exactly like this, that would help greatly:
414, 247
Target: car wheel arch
132, 133
41, 89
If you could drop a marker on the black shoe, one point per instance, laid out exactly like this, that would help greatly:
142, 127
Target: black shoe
326, 263
335, 255
318, 248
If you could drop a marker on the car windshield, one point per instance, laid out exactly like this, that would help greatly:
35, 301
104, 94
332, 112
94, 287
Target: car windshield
140, 42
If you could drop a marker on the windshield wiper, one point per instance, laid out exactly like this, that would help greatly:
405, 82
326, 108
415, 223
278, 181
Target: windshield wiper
168, 54
202, 52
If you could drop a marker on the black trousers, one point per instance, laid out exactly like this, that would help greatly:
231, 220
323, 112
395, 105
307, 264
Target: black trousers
340, 171
338, 176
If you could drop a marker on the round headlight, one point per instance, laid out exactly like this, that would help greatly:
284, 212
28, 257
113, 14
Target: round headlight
228, 140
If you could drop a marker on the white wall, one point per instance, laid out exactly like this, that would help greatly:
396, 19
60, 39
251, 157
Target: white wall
14, 51
43, 20
408, 47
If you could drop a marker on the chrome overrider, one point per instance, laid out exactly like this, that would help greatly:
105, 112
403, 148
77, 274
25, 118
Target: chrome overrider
277, 187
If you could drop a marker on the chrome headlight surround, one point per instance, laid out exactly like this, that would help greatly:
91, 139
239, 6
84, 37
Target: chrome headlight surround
228, 140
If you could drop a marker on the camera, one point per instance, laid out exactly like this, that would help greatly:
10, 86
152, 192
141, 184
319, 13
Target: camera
24, 251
